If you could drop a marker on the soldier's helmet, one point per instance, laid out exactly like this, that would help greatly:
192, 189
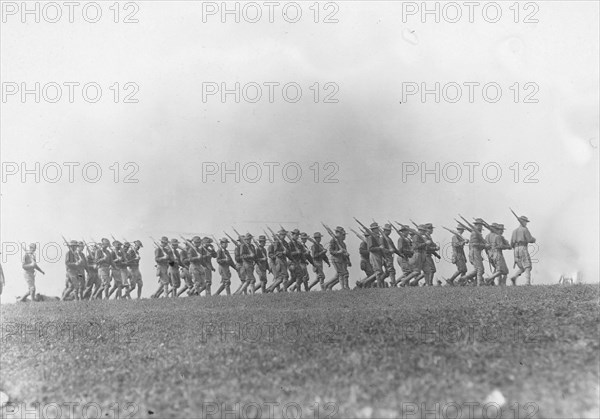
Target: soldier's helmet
73, 243
304, 235
429, 226
126, 244
224, 240
262, 239
164, 240
139, 243
282, 232
374, 226
174, 242
105, 241
422, 227
478, 221
387, 227
207, 240
340, 230
460, 227
404, 227
523, 218
500, 227
317, 235
249, 236
295, 232
116, 243
196, 239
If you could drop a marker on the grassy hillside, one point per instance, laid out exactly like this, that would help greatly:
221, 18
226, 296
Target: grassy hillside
530, 351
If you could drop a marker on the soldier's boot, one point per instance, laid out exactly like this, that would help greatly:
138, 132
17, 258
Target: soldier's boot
513, 279
528, 276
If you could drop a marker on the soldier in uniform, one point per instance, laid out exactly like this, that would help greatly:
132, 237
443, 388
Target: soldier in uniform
458, 255
319, 255
173, 269
497, 246
340, 258
519, 241
248, 257
104, 260
490, 238
296, 255
419, 244
133, 264
389, 249
239, 263
430, 250
376, 249
262, 264
29, 267
476, 245
404, 252
93, 283
207, 253
196, 268
365, 265
163, 256
83, 268
306, 259
73, 265
278, 253
119, 277
225, 262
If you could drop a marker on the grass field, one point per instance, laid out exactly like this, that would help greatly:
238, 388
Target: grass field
525, 351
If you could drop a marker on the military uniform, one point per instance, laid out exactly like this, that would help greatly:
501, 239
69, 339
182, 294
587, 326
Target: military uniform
207, 253
389, 249
458, 254
430, 249
29, 263
296, 255
319, 255
73, 265
520, 240
404, 248
476, 245
133, 264
278, 252
104, 260
376, 248
248, 256
262, 265
224, 261
196, 267
340, 258
163, 256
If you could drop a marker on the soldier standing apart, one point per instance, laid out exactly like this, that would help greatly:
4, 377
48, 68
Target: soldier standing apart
404, 252
376, 248
133, 263
476, 245
207, 252
163, 256
74, 265
430, 250
340, 258
520, 239
262, 264
458, 255
498, 245
225, 262
104, 259
30, 266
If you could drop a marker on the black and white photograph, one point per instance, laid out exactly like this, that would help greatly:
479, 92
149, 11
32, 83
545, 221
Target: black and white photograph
299, 209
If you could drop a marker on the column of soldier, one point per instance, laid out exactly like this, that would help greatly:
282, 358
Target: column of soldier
186, 266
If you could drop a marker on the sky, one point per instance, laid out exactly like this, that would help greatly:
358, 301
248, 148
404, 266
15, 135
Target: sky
354, 141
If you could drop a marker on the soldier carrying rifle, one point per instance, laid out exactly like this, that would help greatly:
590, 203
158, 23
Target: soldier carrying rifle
520, 240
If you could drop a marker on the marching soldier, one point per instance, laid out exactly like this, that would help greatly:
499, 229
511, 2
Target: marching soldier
83, 268
225, 262
340, 258
458, 255
133, 264
248, 257
163, 256
262, 264
376, 248
404, 252
430, 250
196, 269
104, 260
296, 254
173, 269
74, 265
389, 249
305, 260
520, 239
278, 252
476, 245
207, 253
184, 270
319, 255
239, 263
119, 269
497, 246
417, 262
93, 283
29, 267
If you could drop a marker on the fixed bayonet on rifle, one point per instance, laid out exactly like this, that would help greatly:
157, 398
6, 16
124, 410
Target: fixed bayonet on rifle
466, 221
463, 226
235, 242
358, 235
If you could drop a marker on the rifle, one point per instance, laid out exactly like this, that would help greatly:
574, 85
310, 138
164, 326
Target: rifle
516, 216
468, 223
358, 235
464, 226
452, 231
155, 243
235, 242
330, 231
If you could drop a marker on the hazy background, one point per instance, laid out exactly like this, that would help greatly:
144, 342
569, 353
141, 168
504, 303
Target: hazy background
368, 133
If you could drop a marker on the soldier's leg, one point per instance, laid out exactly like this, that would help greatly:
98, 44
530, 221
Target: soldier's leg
389, 266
